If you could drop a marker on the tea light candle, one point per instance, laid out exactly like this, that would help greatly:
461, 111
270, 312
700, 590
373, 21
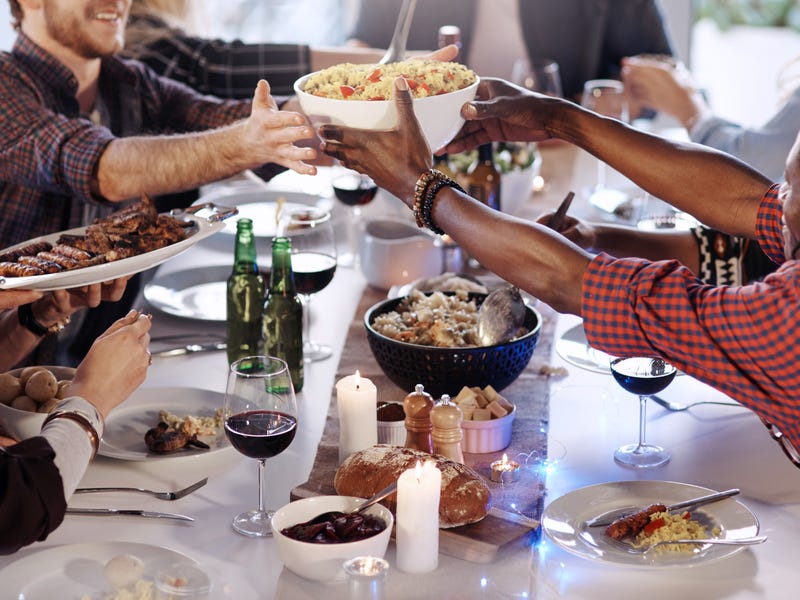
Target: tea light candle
417, 530
366, 577
504, 470
356, 399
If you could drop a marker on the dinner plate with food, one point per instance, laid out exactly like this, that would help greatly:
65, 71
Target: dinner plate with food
116, 570
128, 241
568, 521
162, 423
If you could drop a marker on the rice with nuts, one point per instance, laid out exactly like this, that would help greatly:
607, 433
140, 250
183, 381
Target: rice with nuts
425, 78
675, 527
437, 320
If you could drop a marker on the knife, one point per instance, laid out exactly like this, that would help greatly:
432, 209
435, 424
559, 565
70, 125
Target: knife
106, 512
190, 349
609, 517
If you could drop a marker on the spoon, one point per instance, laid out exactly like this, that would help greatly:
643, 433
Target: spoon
335, 514
558, 218
500, 316
397, 47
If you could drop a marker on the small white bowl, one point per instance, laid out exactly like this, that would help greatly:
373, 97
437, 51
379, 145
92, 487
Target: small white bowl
23, 424
396, 252
439, 116
481, 437
324, 562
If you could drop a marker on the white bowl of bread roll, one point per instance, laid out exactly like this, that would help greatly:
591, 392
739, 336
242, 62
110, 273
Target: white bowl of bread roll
28, 394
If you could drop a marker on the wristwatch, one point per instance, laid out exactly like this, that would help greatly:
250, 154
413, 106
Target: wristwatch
29, 322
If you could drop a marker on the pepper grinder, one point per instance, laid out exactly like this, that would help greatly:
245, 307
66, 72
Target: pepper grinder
446, 420
418, 405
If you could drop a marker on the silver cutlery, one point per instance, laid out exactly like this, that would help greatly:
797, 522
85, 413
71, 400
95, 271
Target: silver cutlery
397, 47
108, 512
160, 495
748, 541
189, 349
678, 407
609, 517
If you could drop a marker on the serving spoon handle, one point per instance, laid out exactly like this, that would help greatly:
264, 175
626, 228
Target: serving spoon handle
397, 47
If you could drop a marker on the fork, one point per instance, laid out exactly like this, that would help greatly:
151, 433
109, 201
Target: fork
678, 407
746, 541
160, 495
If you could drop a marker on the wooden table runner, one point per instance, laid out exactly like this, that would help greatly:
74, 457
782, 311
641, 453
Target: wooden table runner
516, 507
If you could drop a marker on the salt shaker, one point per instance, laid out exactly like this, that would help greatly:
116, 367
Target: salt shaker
446, 420
418, 405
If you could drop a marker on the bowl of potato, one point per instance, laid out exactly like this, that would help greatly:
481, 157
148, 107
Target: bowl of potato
28, 394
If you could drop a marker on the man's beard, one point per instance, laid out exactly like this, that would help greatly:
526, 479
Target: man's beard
68, 30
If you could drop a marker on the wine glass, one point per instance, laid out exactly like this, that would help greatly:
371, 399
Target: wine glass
354, 190
260, 422
313, 264
606, 97
644, 376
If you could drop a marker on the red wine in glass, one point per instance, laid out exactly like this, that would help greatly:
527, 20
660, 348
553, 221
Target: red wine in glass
260, 433
643, 376
353, 189
313, 271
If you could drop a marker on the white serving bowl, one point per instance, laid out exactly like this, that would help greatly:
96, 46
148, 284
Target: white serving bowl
323, 562
439, 116
481, 437
23, 424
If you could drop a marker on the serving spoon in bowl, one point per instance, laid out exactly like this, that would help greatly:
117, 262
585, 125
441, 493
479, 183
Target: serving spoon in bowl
397, 47
335, 514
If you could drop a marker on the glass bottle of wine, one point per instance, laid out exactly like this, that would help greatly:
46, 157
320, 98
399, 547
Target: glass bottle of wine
245, 297
483, 179
283, 313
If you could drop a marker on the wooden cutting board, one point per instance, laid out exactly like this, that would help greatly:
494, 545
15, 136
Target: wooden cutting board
483, 542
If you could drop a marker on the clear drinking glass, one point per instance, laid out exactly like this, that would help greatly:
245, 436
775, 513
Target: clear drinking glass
539, 75
643, 376
606, 97
313, 264
260, 422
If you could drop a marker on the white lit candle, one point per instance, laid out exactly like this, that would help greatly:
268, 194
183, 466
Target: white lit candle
356, 398
417, 531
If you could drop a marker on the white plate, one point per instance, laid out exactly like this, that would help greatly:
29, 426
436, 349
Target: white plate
257, 204
563, 520
195, 293
73, 571
127, 424
112, 270
573, 348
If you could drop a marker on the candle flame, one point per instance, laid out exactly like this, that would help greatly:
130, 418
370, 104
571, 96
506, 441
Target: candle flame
505, 459
358, 379
418, 471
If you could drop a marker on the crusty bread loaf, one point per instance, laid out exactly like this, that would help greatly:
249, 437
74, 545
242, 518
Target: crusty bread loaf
465, 496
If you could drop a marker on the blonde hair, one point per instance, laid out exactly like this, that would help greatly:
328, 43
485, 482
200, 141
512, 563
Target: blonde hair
170, 15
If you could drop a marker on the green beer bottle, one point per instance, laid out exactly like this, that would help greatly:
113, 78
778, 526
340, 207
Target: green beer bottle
283, 313
246, 291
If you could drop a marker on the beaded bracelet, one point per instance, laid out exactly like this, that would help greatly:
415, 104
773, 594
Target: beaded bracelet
425, 191
82, 420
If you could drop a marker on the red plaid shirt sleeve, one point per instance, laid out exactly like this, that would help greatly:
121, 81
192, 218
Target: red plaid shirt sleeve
741, 340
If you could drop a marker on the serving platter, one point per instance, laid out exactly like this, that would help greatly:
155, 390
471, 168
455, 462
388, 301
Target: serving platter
126, 425
563, 521
208, 220
574, 348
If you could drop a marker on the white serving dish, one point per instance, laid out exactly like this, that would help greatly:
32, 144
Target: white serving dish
481, 437
323, 562
23, 424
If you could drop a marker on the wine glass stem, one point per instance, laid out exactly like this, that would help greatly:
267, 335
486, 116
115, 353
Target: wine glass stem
642, 420
262, 485
307, 319
601, 174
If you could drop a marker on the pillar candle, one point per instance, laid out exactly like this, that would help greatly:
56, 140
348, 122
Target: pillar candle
417, 532
356, 398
